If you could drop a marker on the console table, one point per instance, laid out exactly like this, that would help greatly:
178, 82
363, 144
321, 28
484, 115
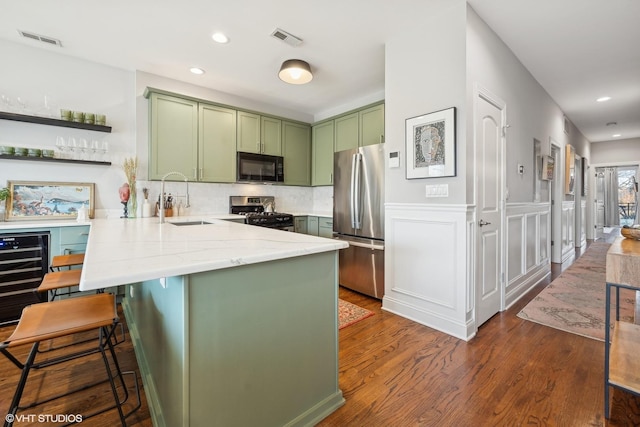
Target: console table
621, 361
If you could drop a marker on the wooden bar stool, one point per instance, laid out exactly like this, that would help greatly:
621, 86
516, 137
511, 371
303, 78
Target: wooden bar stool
68, 261
53, 282
55, 319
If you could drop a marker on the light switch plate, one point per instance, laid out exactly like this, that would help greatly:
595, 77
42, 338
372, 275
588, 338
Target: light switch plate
439, 190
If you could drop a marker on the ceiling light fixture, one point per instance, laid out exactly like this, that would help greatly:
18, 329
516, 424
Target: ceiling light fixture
616, 135
220, 38
196, 70
603, 99
295, 72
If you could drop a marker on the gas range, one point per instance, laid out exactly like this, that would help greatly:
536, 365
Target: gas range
259, 210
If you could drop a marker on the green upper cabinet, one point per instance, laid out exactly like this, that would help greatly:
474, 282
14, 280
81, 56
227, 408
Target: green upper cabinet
271, 136
322, 149
248, 133
296, 148
259, 134
173, 136
371, 125
194, 138
346, 132
217, 148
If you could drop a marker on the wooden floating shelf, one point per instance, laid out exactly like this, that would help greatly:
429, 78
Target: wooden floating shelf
52, 122
53, 159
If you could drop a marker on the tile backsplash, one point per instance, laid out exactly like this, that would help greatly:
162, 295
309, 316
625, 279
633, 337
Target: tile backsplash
207, 198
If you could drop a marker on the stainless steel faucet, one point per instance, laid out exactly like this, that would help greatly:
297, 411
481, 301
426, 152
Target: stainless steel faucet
161, 213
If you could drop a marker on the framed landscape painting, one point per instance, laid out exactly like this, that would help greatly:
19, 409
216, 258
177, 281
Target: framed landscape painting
30, 200
431, 145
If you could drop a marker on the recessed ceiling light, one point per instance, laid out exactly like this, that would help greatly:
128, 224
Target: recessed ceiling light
616, 135
196, 70
603, 99
220, 38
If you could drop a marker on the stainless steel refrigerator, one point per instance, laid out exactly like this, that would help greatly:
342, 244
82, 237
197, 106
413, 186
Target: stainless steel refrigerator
358, 217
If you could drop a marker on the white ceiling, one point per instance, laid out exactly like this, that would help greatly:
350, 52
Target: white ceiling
577, 49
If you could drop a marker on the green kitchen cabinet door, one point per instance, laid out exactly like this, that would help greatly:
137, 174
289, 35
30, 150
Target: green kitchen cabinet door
372, 125
322, 154
173, 136
312, 225
271, 136
296, 145
346, 132
248, 134
300, 224
217, 149
325, 227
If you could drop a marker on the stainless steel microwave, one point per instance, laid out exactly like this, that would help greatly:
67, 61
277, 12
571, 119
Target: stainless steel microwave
260, 168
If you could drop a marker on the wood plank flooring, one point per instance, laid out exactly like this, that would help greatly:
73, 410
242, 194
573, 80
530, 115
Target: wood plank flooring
395, 372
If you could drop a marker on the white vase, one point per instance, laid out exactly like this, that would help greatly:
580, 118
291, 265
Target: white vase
146, 209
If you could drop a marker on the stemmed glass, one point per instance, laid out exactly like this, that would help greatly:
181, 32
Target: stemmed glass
104, 147
72, 145
60, 145
95, 147
83, 146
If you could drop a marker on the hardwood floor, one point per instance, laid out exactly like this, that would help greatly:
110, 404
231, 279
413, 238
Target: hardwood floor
395, 372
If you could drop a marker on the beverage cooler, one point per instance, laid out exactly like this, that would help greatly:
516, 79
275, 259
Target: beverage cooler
24, 260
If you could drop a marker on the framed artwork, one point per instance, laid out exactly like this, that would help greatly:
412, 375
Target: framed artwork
570, 170
547, 168
431, 145
585, 176
29, 200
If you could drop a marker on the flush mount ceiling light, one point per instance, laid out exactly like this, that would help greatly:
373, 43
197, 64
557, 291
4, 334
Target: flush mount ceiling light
295, 72
616, 135
603, 99
196, 70
220, 38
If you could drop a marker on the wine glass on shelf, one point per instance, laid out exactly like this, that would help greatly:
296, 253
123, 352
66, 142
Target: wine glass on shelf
104, 147
83, 146
95, 148
72, 146
61, 146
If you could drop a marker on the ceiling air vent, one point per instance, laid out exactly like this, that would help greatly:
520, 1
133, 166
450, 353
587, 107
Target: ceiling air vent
38, 37
288, 38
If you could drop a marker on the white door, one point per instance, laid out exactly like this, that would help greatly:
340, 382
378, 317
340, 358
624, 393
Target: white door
556, 204
489, 126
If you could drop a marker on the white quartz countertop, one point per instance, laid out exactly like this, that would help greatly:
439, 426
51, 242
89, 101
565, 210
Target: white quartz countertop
127, 251
319, 214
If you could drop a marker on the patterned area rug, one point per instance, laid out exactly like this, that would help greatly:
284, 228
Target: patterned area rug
348, 313
575, 301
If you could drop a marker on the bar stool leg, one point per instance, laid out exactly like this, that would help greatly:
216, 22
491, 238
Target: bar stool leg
15, 402
107, 340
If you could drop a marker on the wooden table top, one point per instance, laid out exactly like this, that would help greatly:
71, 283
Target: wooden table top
623, 262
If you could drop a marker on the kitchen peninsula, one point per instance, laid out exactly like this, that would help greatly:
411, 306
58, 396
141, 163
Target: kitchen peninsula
233, 325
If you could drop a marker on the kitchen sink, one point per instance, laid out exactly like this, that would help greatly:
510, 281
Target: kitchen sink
190, 223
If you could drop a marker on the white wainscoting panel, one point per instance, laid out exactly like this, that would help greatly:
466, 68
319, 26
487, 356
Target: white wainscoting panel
528, 248
568, 233
427, 260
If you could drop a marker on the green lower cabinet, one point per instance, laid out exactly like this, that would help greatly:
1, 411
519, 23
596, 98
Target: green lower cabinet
300, 224
210, 354
325, 227
312, 225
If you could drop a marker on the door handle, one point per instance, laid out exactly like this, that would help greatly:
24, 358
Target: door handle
482, 222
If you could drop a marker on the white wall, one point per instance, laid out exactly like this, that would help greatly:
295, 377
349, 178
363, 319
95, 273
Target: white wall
616, 152
71, 83
425, 72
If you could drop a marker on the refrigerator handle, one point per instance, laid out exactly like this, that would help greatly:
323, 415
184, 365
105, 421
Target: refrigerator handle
352, 185
356, 194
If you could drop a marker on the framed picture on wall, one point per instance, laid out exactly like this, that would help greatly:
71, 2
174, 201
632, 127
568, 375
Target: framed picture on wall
547, 167
431, 145
570, 170
30, 200
585, 176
